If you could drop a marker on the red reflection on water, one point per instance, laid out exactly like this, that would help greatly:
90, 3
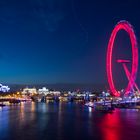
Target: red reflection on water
111, 126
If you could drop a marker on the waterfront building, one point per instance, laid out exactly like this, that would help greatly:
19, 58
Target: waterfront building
44, 91
29, 91
55, 93
4, 88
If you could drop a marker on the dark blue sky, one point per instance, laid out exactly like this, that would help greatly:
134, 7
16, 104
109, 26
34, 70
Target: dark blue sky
60, 41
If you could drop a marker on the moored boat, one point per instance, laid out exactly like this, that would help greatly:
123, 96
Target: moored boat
100, 107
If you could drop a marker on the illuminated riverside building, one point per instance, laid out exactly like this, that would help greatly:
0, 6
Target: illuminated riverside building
56, 93
29, 91
44, 91
4, 88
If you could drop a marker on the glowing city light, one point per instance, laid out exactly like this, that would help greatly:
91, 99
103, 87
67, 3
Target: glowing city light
4, 88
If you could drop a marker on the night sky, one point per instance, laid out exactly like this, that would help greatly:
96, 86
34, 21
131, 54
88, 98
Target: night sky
62, 41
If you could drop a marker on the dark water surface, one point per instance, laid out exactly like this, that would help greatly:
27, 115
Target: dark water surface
67, 121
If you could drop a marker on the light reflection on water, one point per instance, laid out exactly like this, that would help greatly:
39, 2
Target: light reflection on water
110, 126
120, 125
66, 121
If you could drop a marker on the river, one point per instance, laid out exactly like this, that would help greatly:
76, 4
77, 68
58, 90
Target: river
67, 121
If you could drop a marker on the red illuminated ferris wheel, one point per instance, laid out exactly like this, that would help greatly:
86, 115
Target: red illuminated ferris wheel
131, 76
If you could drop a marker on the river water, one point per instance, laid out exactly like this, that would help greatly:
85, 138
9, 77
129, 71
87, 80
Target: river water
67, 121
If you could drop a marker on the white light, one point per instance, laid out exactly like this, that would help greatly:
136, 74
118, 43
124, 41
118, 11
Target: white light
90, 109
4, 88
